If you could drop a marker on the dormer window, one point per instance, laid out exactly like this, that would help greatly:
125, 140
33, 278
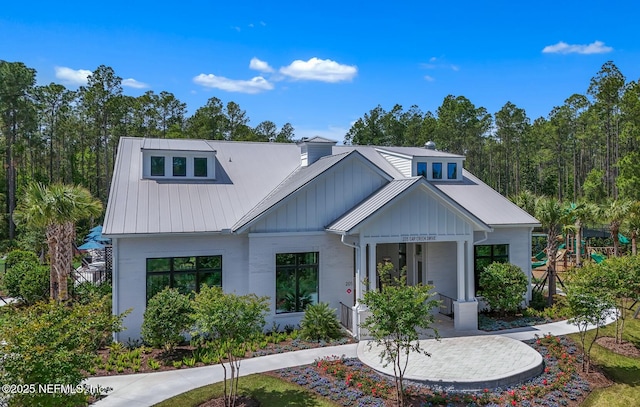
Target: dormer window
200, 167
157, 166
436, 169
452, 171
167, 164
422, 169
179, 166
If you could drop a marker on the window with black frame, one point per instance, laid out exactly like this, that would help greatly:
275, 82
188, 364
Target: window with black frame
187, 274
484, 255
296, 281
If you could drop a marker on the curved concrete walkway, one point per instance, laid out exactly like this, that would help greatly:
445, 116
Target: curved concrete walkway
146, 389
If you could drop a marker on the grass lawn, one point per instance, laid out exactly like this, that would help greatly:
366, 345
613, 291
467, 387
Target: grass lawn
625, 371
268, 390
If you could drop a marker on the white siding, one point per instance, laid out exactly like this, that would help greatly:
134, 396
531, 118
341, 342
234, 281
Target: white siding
441, 267
402, 164
335, 268
323, 200
417, 213
131, 269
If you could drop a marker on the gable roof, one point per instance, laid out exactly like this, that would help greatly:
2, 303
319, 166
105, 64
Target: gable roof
296, 181
388, 194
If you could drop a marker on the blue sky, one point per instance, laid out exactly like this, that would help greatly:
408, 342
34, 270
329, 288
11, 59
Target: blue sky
323, 65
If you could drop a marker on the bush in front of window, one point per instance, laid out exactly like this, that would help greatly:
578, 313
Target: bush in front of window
167, 317
320, 323
503, 287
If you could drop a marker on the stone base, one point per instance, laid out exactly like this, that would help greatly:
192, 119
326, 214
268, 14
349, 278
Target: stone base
465, 315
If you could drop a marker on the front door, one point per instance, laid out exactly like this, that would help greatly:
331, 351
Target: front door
418, 268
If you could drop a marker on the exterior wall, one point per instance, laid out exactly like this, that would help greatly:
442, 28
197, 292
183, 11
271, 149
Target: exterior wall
324, 200
417, 213
130, 266
441, 267
335, 268
519, 241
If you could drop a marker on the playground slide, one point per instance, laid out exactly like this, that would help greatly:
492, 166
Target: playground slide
597, 257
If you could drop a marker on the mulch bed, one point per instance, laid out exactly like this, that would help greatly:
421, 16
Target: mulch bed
625, 348
241, 401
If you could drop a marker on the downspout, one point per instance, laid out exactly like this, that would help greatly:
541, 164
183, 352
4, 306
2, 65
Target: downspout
114, 282
486, 236
347, 244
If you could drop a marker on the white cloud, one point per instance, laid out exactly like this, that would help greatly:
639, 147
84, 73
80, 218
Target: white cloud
438, 63
254, 85
72, 76
324, 70
132, 83
596, 47
429, 78
258, 65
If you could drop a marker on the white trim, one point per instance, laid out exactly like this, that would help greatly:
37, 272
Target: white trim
285, 234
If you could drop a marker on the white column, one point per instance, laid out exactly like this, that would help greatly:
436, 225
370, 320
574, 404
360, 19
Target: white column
373, 274
471, 283
461, 274
361, 271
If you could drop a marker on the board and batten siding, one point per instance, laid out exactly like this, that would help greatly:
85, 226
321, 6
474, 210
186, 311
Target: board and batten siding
402, 164
323, 200
131, 266
335, 268
417, 213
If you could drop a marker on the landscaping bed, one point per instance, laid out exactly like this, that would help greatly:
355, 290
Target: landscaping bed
349, 383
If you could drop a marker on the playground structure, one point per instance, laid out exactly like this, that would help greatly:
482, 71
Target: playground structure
565, 258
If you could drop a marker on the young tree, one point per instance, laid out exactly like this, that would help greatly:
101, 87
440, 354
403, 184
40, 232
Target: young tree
231, 320
589, 304
57, 208
621, 277
398, 312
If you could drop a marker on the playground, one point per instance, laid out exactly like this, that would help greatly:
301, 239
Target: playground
595, 249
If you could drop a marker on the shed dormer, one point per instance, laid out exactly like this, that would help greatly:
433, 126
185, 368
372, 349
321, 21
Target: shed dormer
432, 164
195, 161
311, 150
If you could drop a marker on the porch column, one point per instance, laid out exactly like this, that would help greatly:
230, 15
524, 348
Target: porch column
361, 271
373, 274
461, 274
471, 281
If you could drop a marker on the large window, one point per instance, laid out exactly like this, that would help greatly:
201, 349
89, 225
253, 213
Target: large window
187, 274
296, 281
485, 255
157, 166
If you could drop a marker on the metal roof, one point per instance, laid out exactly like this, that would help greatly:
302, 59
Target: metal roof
253, 177
390, 192
372, 204
297, 180
245, 174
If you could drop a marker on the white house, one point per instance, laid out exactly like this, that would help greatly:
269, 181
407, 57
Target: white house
302, 223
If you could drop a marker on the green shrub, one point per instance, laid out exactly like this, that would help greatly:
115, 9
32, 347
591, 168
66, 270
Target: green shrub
87, 291
503, 287
25, 278
53, 343
167, 316
320, 323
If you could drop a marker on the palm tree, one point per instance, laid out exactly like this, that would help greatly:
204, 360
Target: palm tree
615, 212
632, 224
57, 208
553, 217
582, 213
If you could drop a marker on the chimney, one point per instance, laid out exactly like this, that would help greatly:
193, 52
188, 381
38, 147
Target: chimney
311, 150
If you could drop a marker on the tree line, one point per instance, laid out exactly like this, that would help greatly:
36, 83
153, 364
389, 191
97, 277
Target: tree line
587, 148
51, 134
